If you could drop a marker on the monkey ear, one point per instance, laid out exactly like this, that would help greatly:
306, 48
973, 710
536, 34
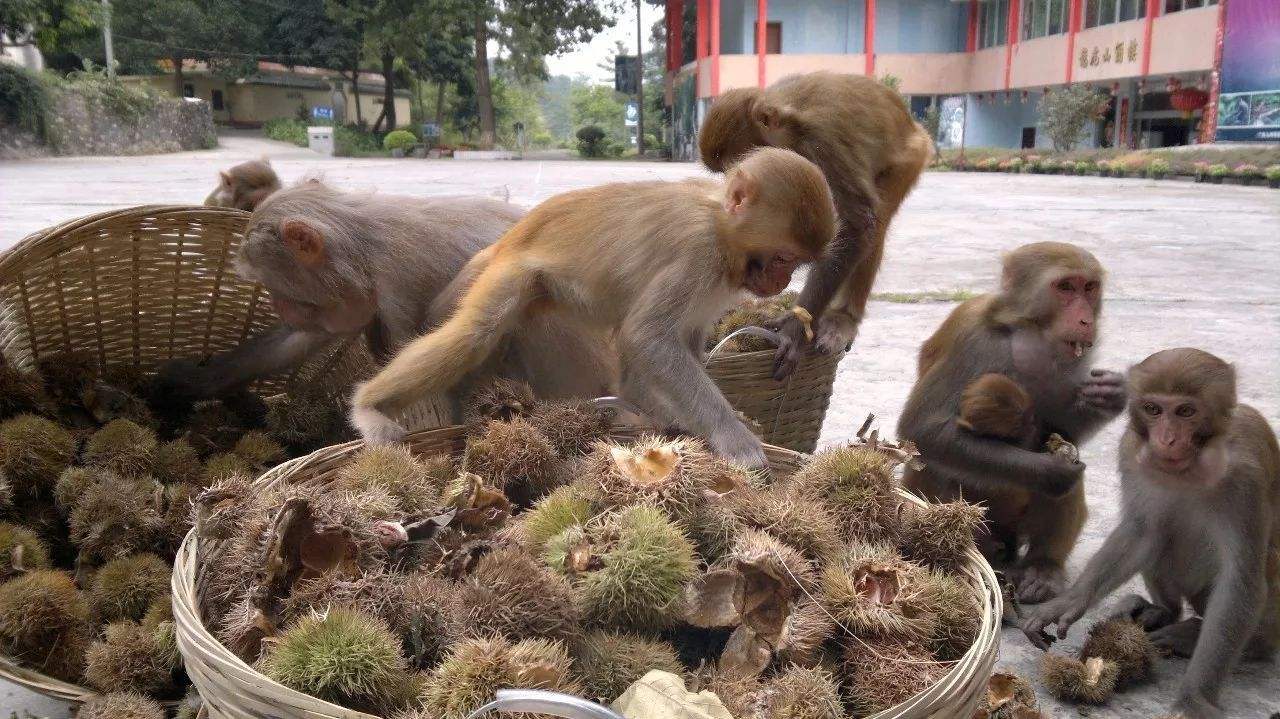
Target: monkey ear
771, 117
304, 241
741, 193
225, 178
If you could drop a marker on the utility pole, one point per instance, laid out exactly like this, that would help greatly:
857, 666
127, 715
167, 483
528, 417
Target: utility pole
639, 82
106, 38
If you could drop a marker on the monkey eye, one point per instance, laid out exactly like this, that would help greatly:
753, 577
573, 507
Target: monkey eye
1090, 286
1186, 410
1151, 408
1064, 285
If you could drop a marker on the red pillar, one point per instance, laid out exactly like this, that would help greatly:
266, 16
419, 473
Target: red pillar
1073, 27
715, 48
762, 38
1209, 122
971, 40
1153, 8
1015, 15
869, 36
700, 38
675, 34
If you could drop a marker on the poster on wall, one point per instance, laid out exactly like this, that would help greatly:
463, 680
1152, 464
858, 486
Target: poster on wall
1249, 102
951, 122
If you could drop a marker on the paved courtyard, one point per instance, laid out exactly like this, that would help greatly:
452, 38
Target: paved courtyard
1190, 265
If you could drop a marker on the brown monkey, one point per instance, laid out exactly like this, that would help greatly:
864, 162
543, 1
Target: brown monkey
244, 186
995, 406
1038, 330
338, 263
870, 149
1200, 520
654, 262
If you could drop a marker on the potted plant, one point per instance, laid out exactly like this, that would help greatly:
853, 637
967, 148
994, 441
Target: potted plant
1084, 167
1248, 173
1157, 169
1201, 170
1273, 177
1217, 172
399, 142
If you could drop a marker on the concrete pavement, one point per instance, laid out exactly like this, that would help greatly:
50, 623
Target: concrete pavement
1190, 265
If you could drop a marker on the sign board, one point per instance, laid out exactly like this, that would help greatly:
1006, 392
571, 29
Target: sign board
431, 129
625, 78
1249, 101
632, 115
322, 112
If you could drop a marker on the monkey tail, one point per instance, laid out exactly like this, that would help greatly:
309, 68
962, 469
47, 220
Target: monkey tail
437, 361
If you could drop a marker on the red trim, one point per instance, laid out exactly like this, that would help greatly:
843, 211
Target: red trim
1074, 21
869, 36
762, 39
1209, 121
1153, 8
700, 38
1015, 15
971, 39
715, 48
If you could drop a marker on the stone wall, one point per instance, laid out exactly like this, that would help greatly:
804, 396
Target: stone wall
79, 126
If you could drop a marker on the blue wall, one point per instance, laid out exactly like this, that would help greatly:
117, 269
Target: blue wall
921, 26
1000, 124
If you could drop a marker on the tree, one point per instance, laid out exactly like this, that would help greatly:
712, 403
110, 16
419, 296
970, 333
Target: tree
1065, 112
598, 105
64, 30
444, 57
529, 30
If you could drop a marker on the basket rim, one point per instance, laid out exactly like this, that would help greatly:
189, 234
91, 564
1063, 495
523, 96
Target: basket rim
198, 644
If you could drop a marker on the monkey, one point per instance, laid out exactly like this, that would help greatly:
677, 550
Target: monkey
1038, 330
244, 186
1200, 521
339, 264
655, 264
995, 406
862, 135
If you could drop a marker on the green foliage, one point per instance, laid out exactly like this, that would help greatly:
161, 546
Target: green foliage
932, 121
1065, 112
598, 105
1218, 170
23, 100
352, 141
286, 129
127, 101
55, 25
1248, 171
591, 141
1272, 173
1157, 169
399, 139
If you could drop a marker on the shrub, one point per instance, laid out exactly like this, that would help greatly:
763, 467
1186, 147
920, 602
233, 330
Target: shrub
591, 141
1157, 169
1273, 173
1031, 166
1248, 172
399, 140
1084, 167
23, 100
987, 165
1218, 171
1013, 164
1201, 170
126, 101
1104, 168
286, 129
1049, 166
1064, 113
352, 141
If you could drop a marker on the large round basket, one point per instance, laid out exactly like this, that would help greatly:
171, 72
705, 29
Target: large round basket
138, 287
234, 690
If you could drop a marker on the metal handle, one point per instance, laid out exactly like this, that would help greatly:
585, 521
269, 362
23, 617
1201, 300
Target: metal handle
538, 701
752, 330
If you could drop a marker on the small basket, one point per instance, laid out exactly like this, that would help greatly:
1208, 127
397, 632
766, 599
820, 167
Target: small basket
789, 413
138, 287
234, 690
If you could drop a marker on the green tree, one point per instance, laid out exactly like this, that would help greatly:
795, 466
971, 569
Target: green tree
64, 30
1065, 112
529, 30
444, 57
598, 105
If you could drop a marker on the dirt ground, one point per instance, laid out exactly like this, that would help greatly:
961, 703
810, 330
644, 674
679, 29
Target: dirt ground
1190, 265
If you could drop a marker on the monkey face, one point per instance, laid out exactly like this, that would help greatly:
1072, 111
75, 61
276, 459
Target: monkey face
1174, 429
766, 277
1076, 299
353, 311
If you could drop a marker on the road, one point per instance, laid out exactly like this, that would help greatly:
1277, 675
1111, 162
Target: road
1189, 265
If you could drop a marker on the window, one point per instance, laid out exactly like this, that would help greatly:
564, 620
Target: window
1177, 5
772, 39
1105, 12
1044, 17
188, 90
217, 100
993, 23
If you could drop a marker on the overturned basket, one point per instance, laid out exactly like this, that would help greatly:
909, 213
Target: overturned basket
233, 689
138, 287
789, 413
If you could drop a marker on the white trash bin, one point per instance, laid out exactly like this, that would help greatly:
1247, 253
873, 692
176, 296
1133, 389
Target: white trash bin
320, 139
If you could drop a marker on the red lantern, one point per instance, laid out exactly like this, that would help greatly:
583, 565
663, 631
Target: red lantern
1188, 100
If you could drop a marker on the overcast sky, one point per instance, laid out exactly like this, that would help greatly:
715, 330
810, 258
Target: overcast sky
585, 58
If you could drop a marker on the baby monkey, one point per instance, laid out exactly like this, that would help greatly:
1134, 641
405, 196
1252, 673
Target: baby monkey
244, 186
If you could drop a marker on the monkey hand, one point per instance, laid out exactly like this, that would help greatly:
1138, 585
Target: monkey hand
1061, 474
178, 384
794, 333
738, 444
1062, 612
1105, 390
376, 427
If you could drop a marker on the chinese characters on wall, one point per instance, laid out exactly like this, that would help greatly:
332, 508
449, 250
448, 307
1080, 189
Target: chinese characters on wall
1119, 53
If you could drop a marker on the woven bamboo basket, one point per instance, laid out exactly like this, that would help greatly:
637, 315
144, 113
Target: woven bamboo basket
137, 287
789, 413
234, 690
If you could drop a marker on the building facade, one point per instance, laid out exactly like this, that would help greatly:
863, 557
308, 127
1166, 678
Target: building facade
984, 64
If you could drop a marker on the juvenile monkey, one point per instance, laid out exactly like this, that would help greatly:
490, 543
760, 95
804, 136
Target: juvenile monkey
1200, 520
1038, 331
244, 186
870, 149
655, 263
995, 406
338, 263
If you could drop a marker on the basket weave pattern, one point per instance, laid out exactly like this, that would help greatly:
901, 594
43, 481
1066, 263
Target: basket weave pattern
234, 690
789, 412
